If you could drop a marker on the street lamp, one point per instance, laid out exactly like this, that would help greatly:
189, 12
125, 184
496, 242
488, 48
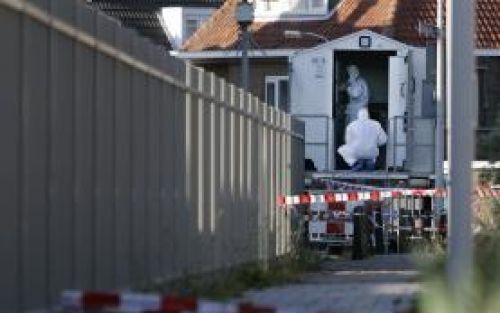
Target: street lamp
297, 34
461, 101
245, 16
440, 100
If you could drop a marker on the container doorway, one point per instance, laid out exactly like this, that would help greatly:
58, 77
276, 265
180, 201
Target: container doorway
374, 68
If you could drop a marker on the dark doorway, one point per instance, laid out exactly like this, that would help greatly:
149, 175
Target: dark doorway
374, 68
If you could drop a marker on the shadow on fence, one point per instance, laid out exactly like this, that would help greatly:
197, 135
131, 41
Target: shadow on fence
122, 165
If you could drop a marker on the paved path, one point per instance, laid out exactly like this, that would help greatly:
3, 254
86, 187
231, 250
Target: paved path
368, 286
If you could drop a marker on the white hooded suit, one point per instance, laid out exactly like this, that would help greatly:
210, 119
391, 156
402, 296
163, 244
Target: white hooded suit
358, 92
363, 137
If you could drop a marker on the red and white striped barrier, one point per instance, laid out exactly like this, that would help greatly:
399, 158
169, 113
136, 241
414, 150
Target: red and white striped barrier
480, 192
375, 195
78, 301
487, 192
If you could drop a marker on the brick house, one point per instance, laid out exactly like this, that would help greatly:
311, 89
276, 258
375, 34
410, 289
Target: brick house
301, 75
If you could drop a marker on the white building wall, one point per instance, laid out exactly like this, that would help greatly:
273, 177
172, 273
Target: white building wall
172, 21
290, 9
175, 18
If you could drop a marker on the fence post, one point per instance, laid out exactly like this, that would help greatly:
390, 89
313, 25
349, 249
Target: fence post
213, 174
275, 221
256, 184
286, 174
221, 163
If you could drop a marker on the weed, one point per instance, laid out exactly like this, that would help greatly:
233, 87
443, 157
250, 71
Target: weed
483, 294
232, 283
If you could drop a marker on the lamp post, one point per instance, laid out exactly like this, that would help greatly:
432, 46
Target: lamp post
440, 101
461, 103
245, 16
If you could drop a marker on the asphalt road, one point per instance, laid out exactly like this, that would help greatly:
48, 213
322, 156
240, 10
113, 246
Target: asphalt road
367, 286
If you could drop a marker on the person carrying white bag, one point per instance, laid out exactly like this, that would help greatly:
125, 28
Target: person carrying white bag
363, 137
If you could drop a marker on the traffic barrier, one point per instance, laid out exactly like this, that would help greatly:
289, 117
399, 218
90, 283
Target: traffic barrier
376, 195
330, 197
397, 215
91, 301
342, 215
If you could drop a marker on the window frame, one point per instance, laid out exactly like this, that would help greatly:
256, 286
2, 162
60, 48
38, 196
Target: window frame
276, 80
199, 18
266, 8
187, 32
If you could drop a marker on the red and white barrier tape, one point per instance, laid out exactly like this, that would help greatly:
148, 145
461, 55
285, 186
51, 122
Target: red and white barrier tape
487, 192
376, 195
78, 301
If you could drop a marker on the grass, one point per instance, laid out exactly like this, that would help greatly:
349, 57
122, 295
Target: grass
482, 294
233, 283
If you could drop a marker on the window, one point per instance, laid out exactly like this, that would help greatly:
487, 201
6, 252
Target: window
488, 132
317, 4
277, 92
191, 27
277, 8
270, 4
298, 5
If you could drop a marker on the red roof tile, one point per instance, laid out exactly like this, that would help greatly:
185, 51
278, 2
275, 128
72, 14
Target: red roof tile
394, 18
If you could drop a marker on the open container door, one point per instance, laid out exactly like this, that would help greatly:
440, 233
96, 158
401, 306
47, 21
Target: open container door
398, 99
310, 86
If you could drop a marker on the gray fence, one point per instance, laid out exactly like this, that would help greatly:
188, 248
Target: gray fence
121, 165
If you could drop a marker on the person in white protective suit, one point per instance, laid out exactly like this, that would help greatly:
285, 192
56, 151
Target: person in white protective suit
363, 137
359, 94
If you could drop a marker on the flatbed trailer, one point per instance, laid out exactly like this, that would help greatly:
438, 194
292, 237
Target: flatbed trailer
408, 217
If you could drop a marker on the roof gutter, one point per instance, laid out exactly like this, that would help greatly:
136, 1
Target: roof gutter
487, 52
233, 54
275, 53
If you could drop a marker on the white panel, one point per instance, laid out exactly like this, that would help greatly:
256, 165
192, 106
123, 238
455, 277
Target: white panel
349, 228
424, 131
351, 205
318, 154
423, 150
420, 73
423, 159
311, 94
311, 89
398, 83
319, 207
172, 19
316, 128
288, 8
317, 228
